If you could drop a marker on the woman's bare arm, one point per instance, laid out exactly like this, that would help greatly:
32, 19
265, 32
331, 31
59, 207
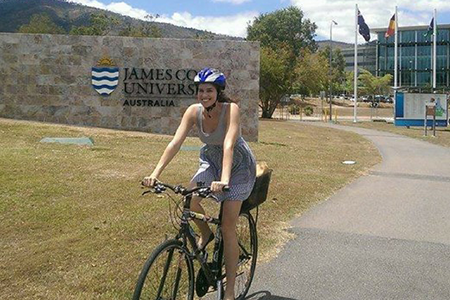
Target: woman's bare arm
173, 147
232, 132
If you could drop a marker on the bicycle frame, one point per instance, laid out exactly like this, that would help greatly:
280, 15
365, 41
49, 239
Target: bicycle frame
212, 273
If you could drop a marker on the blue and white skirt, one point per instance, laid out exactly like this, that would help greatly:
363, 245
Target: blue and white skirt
243, 171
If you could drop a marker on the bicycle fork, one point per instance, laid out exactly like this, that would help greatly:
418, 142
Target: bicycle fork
219, 289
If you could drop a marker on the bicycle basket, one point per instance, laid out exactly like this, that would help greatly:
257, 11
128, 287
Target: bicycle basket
259, 192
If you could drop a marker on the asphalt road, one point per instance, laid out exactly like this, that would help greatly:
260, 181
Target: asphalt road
384, 236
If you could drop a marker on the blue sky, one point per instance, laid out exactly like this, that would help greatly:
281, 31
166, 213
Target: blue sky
207, 7
231, 16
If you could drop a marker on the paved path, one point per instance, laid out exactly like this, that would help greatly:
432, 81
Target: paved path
384, 236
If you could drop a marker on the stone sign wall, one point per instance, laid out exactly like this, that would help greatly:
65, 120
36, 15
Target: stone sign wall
120, 82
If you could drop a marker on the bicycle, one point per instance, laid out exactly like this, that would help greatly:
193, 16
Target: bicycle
168, 273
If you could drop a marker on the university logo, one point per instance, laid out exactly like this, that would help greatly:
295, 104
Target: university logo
105, 76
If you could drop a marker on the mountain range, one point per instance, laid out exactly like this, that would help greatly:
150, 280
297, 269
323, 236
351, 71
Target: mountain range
15, 13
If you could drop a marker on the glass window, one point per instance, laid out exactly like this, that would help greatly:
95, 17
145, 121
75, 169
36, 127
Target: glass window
382, 51
407, 57
423, 57
382, 58
390, 58
390, 51
423, 37
443, 35
407, 50
424, 50
407, 36
382, 63
407, 78
441, 78
441, 62
424, 78
407, 63
423, 63
441, 50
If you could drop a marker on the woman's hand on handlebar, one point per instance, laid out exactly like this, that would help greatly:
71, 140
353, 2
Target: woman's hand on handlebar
219, 186
149, 181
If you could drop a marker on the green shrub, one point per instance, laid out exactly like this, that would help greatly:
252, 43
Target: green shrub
308, 111
294, 109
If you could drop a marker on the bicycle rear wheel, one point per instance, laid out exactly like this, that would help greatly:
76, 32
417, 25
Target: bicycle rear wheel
248, 251
167, 274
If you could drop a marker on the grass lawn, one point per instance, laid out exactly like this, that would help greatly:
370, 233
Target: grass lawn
442, 133
73, 223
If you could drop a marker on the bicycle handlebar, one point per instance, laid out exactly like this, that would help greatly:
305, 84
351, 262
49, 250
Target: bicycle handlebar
202, 192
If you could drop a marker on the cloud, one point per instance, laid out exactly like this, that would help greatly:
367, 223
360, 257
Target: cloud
117, 7
235, 2
376, 14
233, 25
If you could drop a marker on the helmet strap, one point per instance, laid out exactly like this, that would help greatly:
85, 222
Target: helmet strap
210, 108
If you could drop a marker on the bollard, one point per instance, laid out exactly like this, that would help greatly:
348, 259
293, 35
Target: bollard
335, 115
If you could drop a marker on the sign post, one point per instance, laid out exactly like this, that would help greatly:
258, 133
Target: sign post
430, 110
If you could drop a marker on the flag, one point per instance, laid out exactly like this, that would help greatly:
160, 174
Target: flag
391, 28
363, 28
430, 29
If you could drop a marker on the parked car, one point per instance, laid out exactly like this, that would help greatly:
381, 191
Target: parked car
352, 98
389, 99
379, 98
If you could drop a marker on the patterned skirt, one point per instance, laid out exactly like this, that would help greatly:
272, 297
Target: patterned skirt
243, 171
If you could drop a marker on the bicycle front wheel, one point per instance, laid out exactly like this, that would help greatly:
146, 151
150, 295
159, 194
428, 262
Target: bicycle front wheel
167, 274
248, 250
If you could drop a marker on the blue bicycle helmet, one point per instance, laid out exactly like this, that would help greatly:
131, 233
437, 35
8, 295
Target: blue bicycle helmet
209, 75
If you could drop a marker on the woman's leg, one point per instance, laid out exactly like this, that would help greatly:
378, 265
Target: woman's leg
230, 217
205, 231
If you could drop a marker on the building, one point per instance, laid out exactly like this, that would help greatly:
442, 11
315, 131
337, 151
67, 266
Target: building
415, 48
415, 69
366, 57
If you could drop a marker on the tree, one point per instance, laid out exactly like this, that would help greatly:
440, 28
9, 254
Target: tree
274, 79
148, 29
282, 34
348, 84
285, 27
41, 23
101, 24
311, 73
373, 85
337, 67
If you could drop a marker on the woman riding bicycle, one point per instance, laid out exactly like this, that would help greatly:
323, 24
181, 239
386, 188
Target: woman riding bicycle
225, 160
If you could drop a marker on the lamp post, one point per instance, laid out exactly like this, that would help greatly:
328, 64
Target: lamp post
331, 58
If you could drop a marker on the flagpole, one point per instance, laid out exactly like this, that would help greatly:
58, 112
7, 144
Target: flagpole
395, 50
434, 49
356, 65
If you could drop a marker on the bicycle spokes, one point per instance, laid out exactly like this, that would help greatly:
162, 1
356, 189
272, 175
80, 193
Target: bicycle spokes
168, 277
